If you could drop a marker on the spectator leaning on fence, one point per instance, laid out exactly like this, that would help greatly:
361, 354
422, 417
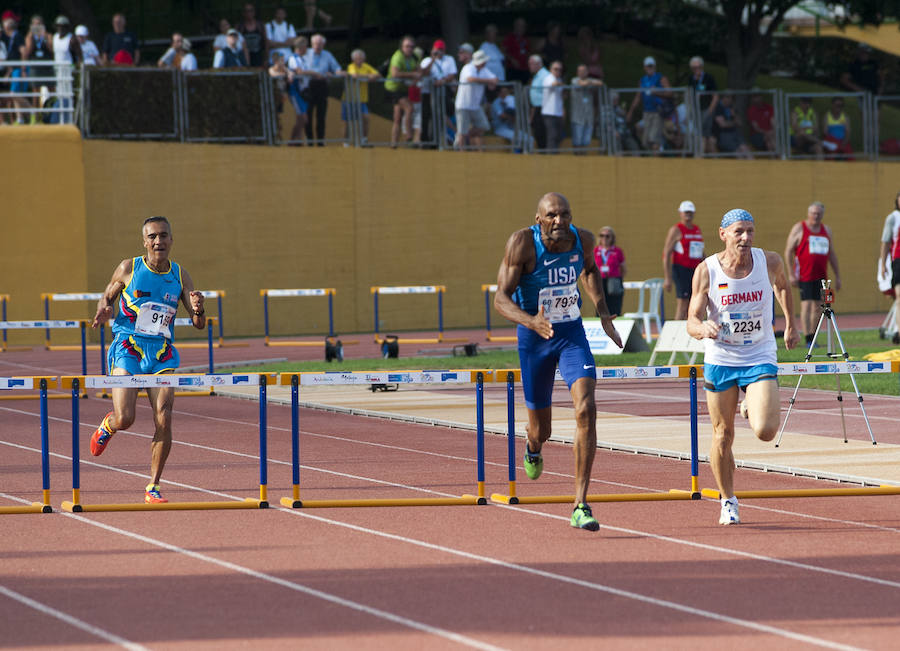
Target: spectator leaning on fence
536, 99
298, 79
703, 82
761, 117
280, 33
652, 97
442, 71
231, 56
516, 47
552, 107
582, 95
361, 73
120, 45
403, 69
471, 121
89, 50
324, 65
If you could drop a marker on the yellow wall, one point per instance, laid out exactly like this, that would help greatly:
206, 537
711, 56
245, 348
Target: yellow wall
246, 218
42, 242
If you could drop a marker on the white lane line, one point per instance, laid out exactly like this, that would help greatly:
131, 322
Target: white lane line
296, 587
542, 573
599, 587
65, 617
670, 539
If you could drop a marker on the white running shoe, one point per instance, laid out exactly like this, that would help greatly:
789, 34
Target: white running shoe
744, 409
729, 514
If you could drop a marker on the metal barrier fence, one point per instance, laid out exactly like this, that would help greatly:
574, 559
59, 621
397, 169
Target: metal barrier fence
663, 131
241, 105
813, 132
37, 90
721, 123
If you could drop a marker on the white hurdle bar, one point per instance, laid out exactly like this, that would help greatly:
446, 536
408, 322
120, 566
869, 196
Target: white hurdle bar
379, 290
77, 383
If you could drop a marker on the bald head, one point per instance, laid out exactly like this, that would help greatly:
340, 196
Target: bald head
551, 197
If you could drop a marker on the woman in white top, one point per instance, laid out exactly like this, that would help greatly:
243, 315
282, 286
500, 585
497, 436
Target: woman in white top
88, 48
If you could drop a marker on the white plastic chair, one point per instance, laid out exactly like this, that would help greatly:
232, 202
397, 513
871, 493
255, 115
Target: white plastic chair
648, 304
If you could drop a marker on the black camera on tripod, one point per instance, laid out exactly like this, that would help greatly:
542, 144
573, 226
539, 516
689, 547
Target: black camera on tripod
827, 294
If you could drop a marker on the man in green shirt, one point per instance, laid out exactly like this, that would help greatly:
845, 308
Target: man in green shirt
404, 66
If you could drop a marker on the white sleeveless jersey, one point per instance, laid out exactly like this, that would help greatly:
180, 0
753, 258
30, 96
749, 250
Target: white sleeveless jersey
743, 309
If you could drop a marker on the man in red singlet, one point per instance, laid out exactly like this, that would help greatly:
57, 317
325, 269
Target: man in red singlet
809, 249
682, 252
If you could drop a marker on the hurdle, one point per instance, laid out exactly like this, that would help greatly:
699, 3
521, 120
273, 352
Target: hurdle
181, 322
603, 373
328, 292
81, 324
415, 289
488, 290
75, 383
296, 380
4, 347
42, 383
826, 368
48, 297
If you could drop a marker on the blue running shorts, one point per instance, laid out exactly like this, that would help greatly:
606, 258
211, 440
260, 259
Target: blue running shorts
718, 378
539, 358
141, 355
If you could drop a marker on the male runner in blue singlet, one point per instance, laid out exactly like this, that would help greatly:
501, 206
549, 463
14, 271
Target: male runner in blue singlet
731, 310
537, 287
148, 289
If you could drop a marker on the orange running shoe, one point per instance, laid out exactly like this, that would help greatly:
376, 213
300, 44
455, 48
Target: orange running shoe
153, 496
101, 436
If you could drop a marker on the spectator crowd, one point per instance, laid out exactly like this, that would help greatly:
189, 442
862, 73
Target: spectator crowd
467, 100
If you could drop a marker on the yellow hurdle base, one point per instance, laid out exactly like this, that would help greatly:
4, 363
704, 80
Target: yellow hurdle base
34, 507
247, 503
50, 396
10, 349
465, 500
311, 344
859, 491
674, 495
502, 338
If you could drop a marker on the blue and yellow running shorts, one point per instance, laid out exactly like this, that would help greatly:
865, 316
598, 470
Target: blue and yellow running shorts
141, 355
718, 378
539, 357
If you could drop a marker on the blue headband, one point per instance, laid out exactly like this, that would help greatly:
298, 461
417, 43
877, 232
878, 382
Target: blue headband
736, 215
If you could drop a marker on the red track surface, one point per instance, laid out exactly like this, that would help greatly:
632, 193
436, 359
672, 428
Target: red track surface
657, 575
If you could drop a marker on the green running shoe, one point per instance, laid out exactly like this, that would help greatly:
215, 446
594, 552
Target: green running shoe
583, 518
533, 463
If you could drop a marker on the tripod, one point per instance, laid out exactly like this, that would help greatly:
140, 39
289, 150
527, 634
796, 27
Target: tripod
828, 313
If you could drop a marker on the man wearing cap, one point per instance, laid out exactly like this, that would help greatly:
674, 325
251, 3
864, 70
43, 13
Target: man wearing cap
230, 56
471, 121
652, 98
89, 50
809, 249
120, 40
736, 287
682, 253
441, 70
66, 49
